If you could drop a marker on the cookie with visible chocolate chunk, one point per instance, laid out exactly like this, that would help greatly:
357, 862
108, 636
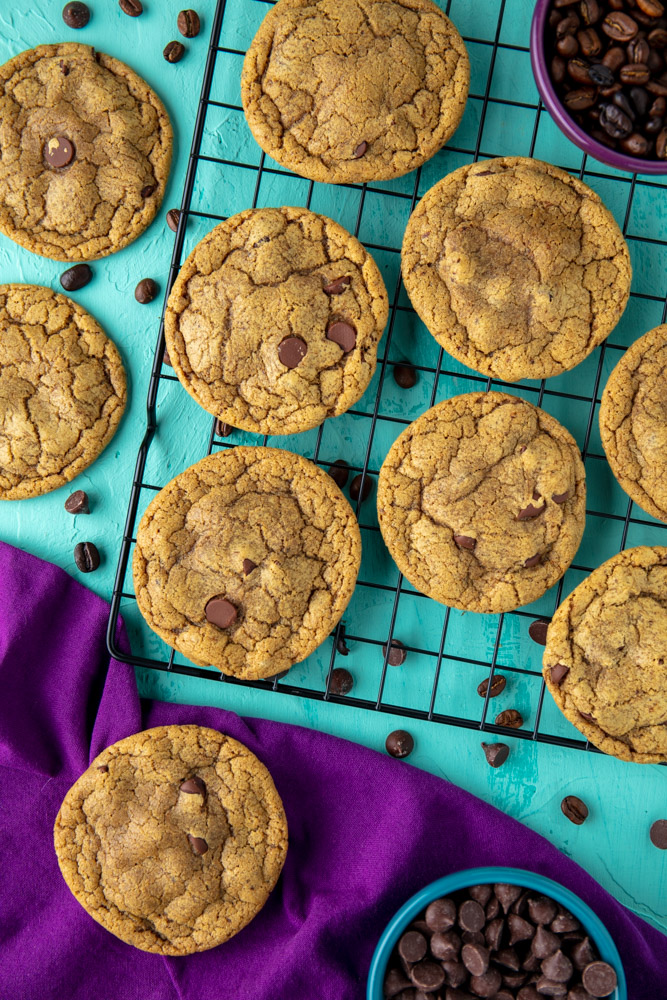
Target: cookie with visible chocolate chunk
633, 422
274, 320
605, 661
85, 153
172, 839
354, 90
481, 502
247, 560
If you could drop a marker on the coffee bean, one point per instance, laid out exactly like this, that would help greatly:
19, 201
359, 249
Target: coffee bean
222, 429
496, 753
337, 286
173, 215
601, 76
589, 42
575, 100
510, 718
615, 122
198, 844
77, 503
498, 682
405, 376
341, 681
75, 277
652, 8
397, 653
620, 26
635, 145
339, 472
567, 47
654, 125
635, 73
146, 290
537, 631
292, 351
568, 26
558, 69
441, 914
655, 62
356, 490
58, 152
599, 979
193, 786
173, 52
658, 38
590, 11
658, 834
220, 612
578, 71
188, 23
76, 15
623, 102
638, 49
661, 144
343, 334
133, 8
86, 557
614, 58
658, 107
399, 743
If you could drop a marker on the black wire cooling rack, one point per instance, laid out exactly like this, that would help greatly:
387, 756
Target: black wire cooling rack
441, 661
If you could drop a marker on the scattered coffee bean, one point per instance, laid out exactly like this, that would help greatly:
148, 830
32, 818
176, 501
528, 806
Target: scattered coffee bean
77, 503
343, 334
75, 277
496, 753
405, 376
510, 718
498, 683
356, 490
76, 15
173, 215
193, 786
222, 429
339, 472
399, 743
146, 290
341, 645
575, 810
58, 152
198, 844
188, 23
341, 681
86, 557
658, 834
133, 8
397, 653
292, 351
220, 612
173, 52
537, 631
601, 76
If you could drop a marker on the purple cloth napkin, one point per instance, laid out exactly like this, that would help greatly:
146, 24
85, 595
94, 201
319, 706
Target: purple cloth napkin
365, 831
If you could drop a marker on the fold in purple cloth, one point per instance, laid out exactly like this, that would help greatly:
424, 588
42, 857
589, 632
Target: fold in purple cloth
353, 857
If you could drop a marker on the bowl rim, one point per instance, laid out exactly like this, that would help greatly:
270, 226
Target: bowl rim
567, 125
488, 875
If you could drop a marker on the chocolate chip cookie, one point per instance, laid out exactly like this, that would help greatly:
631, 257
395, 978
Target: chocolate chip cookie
274, 320
354, 90
605, 661
247, 560
85, 152
481, 502
516, 268
633, 422
62, 390
172, 839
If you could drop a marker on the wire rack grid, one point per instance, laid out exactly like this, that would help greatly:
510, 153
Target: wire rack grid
448, 652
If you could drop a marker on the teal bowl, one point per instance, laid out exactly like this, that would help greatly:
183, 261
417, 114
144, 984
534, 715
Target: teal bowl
594, 927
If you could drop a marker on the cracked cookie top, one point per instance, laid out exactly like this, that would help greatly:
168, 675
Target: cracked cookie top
62, 390
605, 660
481, 502
85, 148
516, 268
633, 422
274, 320
247, 560
172, 839
354, 90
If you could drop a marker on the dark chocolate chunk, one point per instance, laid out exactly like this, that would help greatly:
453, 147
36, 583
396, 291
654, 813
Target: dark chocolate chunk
441, 915
397, 653
146, 290
412, 946
292, 351
58, 152
193, 786
77, 503
496, 753
343, 334
341, 681
658, 834
76, 15
399, 743
220, 612
198, 844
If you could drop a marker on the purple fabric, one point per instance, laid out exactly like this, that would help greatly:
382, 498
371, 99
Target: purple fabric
354, 857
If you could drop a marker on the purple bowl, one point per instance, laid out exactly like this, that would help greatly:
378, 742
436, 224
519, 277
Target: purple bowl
567, 125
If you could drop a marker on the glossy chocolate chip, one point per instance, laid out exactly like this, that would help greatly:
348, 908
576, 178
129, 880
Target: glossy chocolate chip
558, 673
446, 945
220, 612
360, 149
533, 561
343, 334
441, 914
341, 681
397, 653
658, 834
292, 351
188, 23
198, 844
537, 631
399, 743
193, 786
58, 152
356, 490
405, 376
339, 472
455, 976
341, 645
564, 922
520, 929
475, 957
575, 810
103, 767
471, 915
427, 976
481, 893
465, 542
488, 984
412, 946
76, 15
557, 967
544, 943
599, 979
506, 894
395, 982
76, 277
337, 286
582, 954
510, 718
86, 557
508, 958
498, 683
496, 753
77, 503
493, 933
146, 291
248, 566
542, 910
147, 191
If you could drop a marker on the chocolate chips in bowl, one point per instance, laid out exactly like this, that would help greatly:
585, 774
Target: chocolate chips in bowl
497, 933
601, 70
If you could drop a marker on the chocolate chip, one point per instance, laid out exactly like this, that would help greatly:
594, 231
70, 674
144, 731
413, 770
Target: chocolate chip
147, 191
58, 152
343, 334
441, 915
480, 893
658, 834
475, 957
86, 557
339, 472
248, 566
193, 786
575, 810
510, 718
360, 150
222, 429
146, 290
405, 376
397, 653
103, 767
506, 894
220, 612
198, 844
337, 286
557, 967
488, 984
341, 645
550, 988
356, 490
473, 937
427, 976
412, 946
166, 360
173, 52
558, 673
532, 561
399, 743
76, 15
583, 954
133, 8
537, 631
188, 23
492, 908
564, 922
530, 510
493, 933
528, 993
292, 351
520, 929
75, 277
599, 979
341, 681
394, 982
455, 976
77, 503
498, 683
173, 215
446, 945
544, 943
465, 542
587, 716
471, 915
63, 68
508, 958
542, 910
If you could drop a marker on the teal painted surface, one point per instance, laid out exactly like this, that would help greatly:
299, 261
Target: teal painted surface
623, 799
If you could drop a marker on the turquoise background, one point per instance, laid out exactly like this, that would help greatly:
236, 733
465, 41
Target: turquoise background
624, 799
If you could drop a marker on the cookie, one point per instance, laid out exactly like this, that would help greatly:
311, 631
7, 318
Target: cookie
62, 390
172, 839
633, 422
605, 661
354, 90
84, 153
274, 320
481, 502
247, 560
516, 268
